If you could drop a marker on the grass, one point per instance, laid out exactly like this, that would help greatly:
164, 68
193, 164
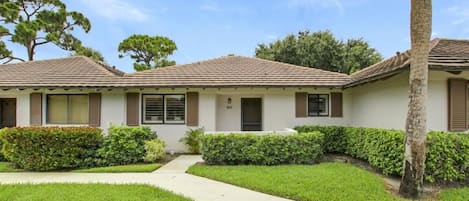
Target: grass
7, 167
85, 192
457, 194
122, 168
325, 181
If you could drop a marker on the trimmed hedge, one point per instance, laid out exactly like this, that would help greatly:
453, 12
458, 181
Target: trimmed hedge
2, 158
447, 153
125, 145
51, 148
270, 149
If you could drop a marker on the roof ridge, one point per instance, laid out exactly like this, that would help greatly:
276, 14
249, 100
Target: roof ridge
101, 65
297, 66
174, 66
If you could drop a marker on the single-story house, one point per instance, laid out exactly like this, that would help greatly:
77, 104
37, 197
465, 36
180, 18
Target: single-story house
232, 93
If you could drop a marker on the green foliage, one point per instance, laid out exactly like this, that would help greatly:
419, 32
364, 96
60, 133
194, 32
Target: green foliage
321, 50
447, 157
154, 150
192, 139
125, 145
34, 23
51, 148
270, 149
334, 142
89, 52
2, 158
149, 52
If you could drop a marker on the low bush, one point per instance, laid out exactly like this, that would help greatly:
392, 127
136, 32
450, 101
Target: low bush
333, 141
154, 150
192, 140
447, 153
270, 149
125, 145
51, 148
2, 158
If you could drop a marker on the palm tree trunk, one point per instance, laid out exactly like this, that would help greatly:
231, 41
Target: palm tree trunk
416, 123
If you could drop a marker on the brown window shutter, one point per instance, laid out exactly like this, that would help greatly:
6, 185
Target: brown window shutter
35, 110
457, 89
192, 108
336, 104
132, 109
301, 101
94, 109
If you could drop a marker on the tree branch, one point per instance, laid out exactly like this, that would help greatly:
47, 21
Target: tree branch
11, 58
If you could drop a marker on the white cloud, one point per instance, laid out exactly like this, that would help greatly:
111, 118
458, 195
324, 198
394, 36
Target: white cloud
311, 4
117, 10
212, 8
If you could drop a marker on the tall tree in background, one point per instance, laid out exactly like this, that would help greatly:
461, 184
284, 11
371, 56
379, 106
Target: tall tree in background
38, 22
89, 52
320, 50
416, 123
149, 52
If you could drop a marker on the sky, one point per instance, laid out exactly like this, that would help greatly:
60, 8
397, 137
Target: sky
205, 29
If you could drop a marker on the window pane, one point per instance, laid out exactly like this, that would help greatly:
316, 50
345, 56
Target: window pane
57, 109
153, 109
175, 108
323, 105
318, 105
78, 109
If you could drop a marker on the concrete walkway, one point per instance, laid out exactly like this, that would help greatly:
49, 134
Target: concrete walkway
170, 177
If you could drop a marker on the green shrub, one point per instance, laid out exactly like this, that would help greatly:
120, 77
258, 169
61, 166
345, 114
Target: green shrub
447, 157
192, 139
154, 150
51, 148
333, 137
270, 149
2, 158
125, 145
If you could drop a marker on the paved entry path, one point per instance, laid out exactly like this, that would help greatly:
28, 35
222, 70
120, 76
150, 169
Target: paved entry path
171, 177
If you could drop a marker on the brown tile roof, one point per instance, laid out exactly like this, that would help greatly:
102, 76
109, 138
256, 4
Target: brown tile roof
64, 72
235, 71
229, 71
445, 54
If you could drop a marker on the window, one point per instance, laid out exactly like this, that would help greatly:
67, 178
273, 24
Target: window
67, 109
318, 105
164, 108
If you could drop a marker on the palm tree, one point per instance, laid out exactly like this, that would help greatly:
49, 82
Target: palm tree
416, 123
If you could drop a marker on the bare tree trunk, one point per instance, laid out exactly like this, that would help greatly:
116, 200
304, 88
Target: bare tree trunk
416, 123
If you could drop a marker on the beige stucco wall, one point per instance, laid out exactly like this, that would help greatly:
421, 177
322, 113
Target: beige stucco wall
383, 104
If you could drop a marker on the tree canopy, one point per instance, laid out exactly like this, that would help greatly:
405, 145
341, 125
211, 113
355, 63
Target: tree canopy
149, 52
321, 50
89, 52
38, 22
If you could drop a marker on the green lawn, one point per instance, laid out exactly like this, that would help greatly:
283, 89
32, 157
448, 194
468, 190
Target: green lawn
326, 181
122, 168
457, 194
85, 192
7, 167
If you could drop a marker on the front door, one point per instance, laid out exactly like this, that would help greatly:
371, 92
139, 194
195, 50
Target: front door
251, 114
7, 112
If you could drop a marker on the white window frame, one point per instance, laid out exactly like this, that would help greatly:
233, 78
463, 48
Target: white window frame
144, 97
165, 110
164, 97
